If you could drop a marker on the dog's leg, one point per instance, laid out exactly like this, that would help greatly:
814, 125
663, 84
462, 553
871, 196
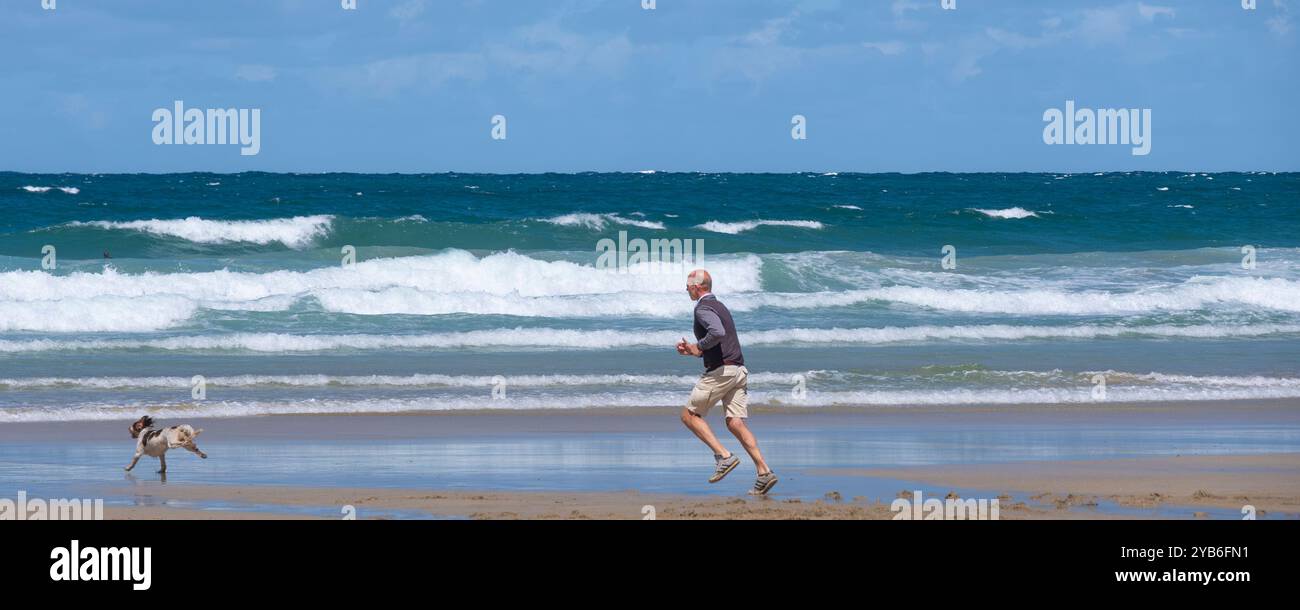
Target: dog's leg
195, 448
163, 460
134, 460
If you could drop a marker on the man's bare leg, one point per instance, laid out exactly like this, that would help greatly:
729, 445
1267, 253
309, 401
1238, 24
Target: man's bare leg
747, 440
702, 430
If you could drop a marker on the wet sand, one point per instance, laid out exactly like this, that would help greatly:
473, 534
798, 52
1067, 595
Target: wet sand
1270, 483
377, 503
1077, 461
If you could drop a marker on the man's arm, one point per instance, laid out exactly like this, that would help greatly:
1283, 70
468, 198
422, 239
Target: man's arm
714, 332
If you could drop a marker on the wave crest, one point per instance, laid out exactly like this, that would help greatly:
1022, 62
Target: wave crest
297, 232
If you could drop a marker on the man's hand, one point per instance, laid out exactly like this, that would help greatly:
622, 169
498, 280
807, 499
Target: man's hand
688, 349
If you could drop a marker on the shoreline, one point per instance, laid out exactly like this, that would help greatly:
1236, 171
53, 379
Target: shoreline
1090, 461
1060, 490
1028, 411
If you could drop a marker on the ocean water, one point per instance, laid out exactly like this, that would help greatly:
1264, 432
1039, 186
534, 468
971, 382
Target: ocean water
483, 291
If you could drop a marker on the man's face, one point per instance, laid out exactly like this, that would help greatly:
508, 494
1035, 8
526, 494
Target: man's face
693, 290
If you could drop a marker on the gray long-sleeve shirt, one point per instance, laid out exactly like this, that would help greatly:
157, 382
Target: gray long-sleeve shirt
712, 326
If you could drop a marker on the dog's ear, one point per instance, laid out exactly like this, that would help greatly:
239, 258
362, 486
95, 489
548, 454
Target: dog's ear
140, 425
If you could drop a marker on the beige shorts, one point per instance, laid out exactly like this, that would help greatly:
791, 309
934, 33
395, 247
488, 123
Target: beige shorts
729, 384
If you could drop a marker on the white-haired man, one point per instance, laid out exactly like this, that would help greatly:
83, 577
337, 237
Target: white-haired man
725, 379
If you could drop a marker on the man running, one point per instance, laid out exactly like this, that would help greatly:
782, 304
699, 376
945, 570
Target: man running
725, 379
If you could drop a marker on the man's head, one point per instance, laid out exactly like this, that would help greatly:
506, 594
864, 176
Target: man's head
699, 283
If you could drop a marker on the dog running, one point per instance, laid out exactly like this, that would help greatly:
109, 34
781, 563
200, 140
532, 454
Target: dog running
155, 443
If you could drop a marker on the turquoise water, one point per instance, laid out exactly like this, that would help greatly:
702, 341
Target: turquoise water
482, 291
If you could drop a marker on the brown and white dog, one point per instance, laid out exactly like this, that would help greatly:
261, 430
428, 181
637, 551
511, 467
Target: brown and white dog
155, 443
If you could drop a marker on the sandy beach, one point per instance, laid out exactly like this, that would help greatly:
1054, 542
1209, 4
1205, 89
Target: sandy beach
1270, 482
1192, 460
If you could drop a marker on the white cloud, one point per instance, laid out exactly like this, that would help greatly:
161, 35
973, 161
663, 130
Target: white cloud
79, 108
546, 47
1105, 25
541, 48
1280, 23
388, 77
771, 31
1016, 40
892, 47
900, 8
1115, 23
1150, 12
255, 73
407, 11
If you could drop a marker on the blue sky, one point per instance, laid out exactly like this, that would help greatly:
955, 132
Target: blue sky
603, 85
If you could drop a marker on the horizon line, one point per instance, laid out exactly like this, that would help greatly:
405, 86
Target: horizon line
825, 173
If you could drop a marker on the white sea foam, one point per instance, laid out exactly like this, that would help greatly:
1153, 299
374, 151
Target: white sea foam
1011, 213
823, 377
456, 281
96, 314
734, 228
1252, 381
296, 232
523, 400
598, 222
376, 381
568, 339
71, 190
1196, 293
453, 281
848, 207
